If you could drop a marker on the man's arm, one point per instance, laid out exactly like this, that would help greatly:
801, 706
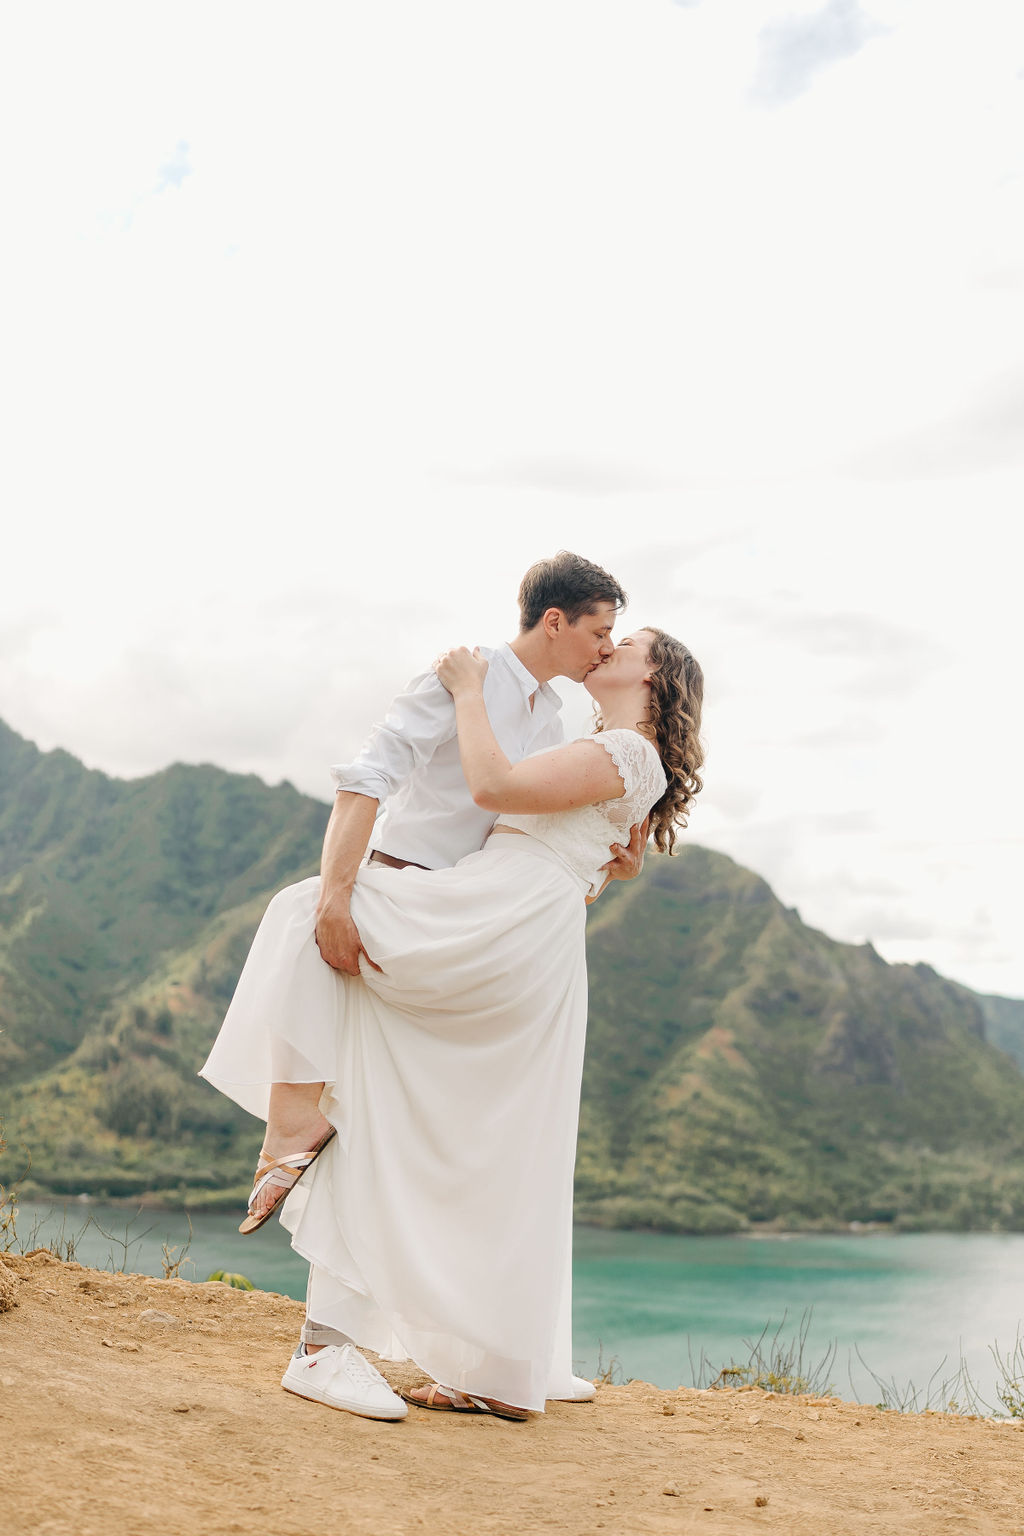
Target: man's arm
348, 833
416, 724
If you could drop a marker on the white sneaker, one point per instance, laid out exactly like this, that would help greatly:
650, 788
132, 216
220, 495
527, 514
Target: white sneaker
339, 1377
582, 1392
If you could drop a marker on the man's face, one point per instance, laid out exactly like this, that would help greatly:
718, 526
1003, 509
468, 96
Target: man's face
586, 644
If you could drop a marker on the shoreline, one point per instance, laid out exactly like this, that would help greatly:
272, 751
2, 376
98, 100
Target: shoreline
225, 1204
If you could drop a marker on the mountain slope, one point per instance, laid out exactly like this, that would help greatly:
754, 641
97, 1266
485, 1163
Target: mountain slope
99, 877
744, 1066
741, 1067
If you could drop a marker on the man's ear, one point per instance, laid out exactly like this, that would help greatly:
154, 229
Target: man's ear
553, 620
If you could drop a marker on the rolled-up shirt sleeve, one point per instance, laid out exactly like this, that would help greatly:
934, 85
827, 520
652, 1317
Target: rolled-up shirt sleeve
416, 724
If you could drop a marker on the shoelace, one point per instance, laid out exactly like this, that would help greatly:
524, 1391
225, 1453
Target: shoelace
352, 1361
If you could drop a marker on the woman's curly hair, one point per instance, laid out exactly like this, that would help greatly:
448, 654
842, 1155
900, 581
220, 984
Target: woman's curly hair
677, 697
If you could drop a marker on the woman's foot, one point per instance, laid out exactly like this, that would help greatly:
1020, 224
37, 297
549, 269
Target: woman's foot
339, 1377
296, 1130
448, 1400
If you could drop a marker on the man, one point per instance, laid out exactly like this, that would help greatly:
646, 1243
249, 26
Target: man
567, 609
410, 766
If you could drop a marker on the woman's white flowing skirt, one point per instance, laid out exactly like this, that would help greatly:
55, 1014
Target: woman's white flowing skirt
438, 1223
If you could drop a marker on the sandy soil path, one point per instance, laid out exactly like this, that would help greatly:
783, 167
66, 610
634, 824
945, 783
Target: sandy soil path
115, 1423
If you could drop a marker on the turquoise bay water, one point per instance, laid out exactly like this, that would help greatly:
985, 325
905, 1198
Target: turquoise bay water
653, 1301
903, 1300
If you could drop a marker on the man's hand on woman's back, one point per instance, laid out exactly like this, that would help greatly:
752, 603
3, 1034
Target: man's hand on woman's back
627, 860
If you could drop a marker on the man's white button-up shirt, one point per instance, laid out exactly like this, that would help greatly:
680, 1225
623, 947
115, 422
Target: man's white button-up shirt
410, 763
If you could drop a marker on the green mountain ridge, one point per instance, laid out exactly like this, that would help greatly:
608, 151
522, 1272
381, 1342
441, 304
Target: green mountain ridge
742, 1068
99, 877
774, 1075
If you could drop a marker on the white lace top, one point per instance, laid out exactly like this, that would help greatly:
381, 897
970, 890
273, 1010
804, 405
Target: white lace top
582, 836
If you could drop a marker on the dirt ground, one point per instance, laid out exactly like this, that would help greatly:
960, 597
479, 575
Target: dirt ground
116, 1422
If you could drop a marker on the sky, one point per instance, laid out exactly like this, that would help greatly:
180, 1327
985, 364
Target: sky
322, 322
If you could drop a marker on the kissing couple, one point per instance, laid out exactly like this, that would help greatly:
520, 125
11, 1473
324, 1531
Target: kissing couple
411, 1024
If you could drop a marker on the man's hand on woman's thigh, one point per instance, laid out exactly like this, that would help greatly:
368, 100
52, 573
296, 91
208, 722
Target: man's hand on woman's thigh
337, 939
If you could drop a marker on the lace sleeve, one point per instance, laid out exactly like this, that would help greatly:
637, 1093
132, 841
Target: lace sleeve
639, 768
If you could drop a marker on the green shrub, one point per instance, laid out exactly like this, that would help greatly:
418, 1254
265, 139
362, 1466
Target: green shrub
239, 1282
141, 1099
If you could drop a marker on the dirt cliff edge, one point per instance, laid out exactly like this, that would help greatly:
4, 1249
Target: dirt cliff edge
131, 1405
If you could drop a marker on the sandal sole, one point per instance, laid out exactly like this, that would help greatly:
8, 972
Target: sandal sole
519, 1416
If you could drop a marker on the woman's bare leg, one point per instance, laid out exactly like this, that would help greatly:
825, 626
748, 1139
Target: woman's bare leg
295, 1124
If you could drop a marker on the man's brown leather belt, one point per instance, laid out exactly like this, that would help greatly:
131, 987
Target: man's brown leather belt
376, 857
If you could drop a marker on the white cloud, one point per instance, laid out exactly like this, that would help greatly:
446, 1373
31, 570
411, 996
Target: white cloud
328, 327
985, 433
793, 49
175, 168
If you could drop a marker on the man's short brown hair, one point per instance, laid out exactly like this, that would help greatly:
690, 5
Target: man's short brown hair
568, 582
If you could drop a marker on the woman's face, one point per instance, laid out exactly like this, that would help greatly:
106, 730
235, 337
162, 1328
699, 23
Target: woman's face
627, 667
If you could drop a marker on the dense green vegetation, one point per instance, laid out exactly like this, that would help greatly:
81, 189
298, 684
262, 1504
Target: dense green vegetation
126, 909
742, 1067
746, 1068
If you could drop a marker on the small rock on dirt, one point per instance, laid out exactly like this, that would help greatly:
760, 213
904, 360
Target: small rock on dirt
760, 1501
672, 1490
158, 1319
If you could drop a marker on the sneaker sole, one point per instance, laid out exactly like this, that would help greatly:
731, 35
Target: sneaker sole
313, 1396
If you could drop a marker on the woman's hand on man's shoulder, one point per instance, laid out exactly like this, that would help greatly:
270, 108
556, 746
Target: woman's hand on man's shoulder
461, 669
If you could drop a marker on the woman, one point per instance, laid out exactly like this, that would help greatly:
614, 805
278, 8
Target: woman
438, 1220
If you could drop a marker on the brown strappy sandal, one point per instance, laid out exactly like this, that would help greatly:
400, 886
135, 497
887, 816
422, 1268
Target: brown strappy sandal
285, 1172
463, 1402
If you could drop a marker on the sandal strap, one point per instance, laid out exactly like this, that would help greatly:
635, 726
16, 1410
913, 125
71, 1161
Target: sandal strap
300, 1160
282, 1171
457, 1400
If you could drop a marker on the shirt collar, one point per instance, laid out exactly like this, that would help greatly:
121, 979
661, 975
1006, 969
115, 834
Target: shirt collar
526, 680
